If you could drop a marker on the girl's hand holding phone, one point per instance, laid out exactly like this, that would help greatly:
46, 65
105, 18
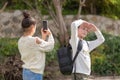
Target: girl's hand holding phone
45, 33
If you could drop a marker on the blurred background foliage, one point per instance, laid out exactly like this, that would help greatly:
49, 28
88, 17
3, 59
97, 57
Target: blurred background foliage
109, 8
105, 58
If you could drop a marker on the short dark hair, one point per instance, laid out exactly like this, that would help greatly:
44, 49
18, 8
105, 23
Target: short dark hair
27, 20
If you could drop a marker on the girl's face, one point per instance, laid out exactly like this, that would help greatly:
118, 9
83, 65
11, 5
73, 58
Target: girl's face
82, 31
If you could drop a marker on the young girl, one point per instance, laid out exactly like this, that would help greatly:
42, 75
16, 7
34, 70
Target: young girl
82, 64
32, 49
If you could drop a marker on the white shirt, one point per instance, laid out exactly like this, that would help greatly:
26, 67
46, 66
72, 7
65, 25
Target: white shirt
83, 60
33, 54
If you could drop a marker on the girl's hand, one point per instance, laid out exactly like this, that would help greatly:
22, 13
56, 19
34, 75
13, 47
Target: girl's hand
92, 27
45, 33
85, 24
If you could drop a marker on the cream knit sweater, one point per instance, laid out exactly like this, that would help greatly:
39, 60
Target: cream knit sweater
33, 54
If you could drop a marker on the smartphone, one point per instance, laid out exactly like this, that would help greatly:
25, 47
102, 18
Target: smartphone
45, 25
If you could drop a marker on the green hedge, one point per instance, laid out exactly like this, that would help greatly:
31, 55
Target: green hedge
8, 46
109, 8
105, 58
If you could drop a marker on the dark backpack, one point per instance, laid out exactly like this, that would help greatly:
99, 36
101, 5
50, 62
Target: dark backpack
65, 58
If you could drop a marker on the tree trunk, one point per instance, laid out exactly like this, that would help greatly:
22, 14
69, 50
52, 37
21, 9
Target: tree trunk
2, 9
81, 4
63, 35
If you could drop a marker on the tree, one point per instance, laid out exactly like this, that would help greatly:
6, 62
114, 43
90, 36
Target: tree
2, 9
62, 26
81, 4
34, 6
55, 11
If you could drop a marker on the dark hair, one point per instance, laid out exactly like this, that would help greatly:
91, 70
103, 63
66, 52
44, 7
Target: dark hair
27, 20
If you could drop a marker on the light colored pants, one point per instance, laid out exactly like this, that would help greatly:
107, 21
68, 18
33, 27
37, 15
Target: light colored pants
29, 75
80, 76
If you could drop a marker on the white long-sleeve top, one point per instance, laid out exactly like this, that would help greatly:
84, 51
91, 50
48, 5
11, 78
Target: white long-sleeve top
33, 54
83, 60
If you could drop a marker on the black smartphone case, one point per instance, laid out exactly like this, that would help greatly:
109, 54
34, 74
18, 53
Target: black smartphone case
44, 25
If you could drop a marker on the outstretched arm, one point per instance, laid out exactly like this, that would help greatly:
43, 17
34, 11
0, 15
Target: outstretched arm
100, 38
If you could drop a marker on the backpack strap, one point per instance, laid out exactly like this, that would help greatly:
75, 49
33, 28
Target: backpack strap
87, 43
79, 47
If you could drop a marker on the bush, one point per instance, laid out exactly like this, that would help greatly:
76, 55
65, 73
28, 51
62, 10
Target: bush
8, 46
105, 58
12, 68
97, 62
52, 55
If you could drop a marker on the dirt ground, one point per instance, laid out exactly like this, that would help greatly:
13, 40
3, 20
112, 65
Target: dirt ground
105, 78
96, 78
52, 72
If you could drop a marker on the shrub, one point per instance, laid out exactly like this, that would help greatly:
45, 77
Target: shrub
8, 46
52, 55
105, 58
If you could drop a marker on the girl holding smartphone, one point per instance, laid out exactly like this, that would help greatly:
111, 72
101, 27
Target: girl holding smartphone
32, 49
